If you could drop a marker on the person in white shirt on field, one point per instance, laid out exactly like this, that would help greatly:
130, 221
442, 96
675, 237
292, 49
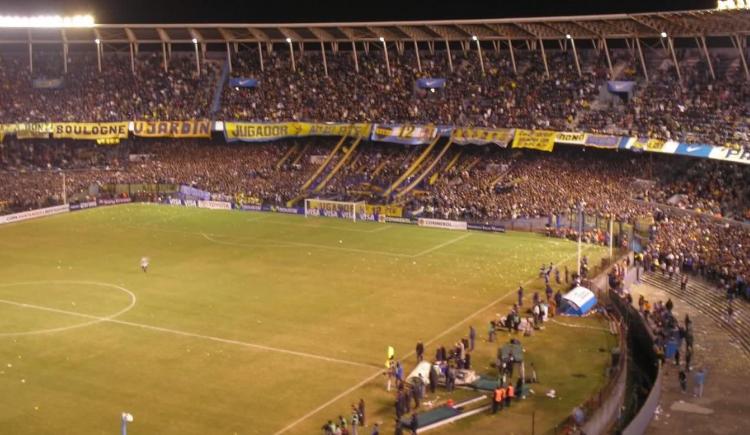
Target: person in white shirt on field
144, 264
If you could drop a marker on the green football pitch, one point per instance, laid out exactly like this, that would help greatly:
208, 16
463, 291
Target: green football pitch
259, 323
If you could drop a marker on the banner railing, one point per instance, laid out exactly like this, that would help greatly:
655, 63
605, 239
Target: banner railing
406, 133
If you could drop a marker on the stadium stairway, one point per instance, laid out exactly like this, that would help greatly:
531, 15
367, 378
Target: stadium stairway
286, 155
426, 171
301, 154
711, 302
323, 165
338, 166
414, 166
452, 162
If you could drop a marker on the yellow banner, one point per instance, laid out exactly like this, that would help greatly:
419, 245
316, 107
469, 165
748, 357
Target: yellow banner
36, 130
172, 129
646, 144
261, 132
542, 140
90, 130
575, 138
388, 210
482, 136
339, 129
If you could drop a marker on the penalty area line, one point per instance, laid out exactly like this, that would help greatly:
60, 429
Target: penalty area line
189, 334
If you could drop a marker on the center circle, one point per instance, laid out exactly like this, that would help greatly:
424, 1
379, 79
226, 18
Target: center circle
91, 319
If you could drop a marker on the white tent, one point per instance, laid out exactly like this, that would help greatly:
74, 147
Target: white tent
578, 301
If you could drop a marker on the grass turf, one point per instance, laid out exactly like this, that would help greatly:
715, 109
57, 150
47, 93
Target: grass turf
253, 323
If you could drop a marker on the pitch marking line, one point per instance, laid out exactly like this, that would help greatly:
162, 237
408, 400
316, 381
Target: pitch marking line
94, 320
432, 340
440, 246
110, 319
288, 244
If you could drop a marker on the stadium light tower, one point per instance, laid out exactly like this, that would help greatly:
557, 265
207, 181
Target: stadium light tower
291, 53
385, 51
479, 49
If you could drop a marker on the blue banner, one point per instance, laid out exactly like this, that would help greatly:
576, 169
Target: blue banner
604, 141
619, 87
431, 83
694, 150
243, 82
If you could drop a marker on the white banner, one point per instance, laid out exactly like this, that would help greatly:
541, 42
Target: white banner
440, 223
49, 211
215, 205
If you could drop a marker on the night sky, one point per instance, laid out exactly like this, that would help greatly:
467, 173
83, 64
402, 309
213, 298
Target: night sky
249, 11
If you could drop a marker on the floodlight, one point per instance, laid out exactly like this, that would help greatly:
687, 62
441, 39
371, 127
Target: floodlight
474, 37
195, 40
49, 21
97, 41
381, 39
567, 36
663, 34
289, 40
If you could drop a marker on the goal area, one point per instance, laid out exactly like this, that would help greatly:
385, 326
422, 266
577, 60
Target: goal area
336, 209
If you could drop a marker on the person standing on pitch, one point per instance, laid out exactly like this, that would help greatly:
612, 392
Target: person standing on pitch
520, 295
472, 337
420, 351
144, 264
362, 413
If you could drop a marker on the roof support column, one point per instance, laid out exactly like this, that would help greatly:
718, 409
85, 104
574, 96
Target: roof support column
31, 55
354, 54
385, 53
132, 59
431, 47
416, 50
670, 43
197, 58
291, 54
229, 57
702, 44
741, 51
325, 62
544, 58
640, 55
609, 60
450, 57
512, 56
65, 57
496, 46
260, 56
479, 50
99, 54
164, 56
575, 56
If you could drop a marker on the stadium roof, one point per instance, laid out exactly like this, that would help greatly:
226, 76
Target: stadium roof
613, 26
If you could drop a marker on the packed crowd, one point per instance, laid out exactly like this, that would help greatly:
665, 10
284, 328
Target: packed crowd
480, 184
469, 98
700, 109
115, 94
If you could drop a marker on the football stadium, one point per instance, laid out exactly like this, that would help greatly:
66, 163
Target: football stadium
490, 225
